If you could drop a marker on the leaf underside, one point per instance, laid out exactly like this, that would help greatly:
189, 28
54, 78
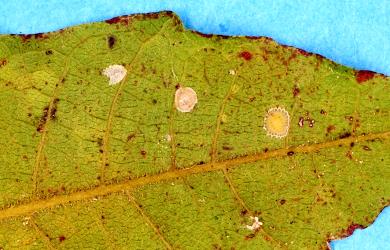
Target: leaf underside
84, 164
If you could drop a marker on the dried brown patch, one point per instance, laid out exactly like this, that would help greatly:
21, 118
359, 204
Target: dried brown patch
362, 76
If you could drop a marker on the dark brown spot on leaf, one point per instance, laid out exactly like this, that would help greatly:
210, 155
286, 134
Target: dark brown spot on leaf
119, 19
246, 55
250, 236
61, 238
296, 91
111, 41
43, 119
345, 135
130, 137
302, 52
311, 123
301, 122
366, 148
282, 201
351, 229
202, 34
49, 52
364, 75
3, 62
290, 153
349, 154
330, 128
226, 147
244, 212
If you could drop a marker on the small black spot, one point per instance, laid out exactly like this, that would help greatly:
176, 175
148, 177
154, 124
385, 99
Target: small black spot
290, 153
111, 41
282, 201
101, 150
265, 150
143, 153
49, 52
244, 212
154, 101
345, 135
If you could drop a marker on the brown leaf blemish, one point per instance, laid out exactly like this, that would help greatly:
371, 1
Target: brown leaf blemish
330, 128
53, 111
47, 114
202, 34
246, 55
226, 147
363, 75
130, 137
111, 41
366, 148
119, 19
43, 119
349, 155
351, 229
311, 123
3, 62
303, 52
296, 91
290, 153
345, 135
61, 238
301, 122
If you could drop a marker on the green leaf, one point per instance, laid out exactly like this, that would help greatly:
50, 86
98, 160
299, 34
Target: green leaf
87, 163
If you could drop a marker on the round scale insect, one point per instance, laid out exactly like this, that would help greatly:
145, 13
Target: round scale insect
115, 73
185, 99
277, 122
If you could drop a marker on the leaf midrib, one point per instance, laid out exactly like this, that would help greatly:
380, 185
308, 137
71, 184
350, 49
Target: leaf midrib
102, 190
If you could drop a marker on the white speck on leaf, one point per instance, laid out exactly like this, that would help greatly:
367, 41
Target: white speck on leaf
185, 99
256, 224
168, 138
115, 73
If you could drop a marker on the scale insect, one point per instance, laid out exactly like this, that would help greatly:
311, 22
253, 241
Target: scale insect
277, 122
115, 73
185, 99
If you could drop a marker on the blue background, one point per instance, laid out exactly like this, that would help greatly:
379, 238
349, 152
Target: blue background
355, 33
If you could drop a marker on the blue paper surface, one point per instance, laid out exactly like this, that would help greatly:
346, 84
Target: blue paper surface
376, 236
355, 33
